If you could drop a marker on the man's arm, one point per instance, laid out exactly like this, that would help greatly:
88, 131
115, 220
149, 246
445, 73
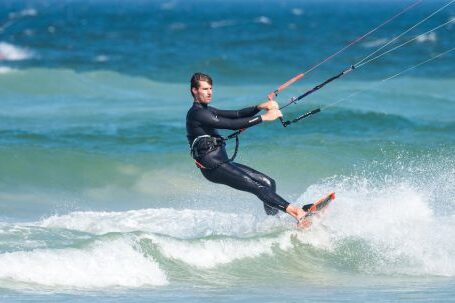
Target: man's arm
247, 111
233, 114
211, 118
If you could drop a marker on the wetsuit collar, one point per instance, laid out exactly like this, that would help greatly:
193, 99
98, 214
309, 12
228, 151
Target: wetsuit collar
200, 104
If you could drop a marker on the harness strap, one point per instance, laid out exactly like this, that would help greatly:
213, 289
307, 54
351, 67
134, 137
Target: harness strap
222, 139
197, 139
199, 164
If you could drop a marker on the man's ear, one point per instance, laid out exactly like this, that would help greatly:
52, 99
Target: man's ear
194, 90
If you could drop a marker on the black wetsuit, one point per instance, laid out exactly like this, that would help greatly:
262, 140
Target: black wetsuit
202, 122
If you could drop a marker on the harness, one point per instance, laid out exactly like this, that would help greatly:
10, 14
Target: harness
205, 144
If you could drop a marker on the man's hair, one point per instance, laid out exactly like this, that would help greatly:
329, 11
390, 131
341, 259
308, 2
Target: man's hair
196, 78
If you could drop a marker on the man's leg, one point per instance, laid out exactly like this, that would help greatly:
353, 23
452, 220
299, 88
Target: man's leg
264, 180
244, 178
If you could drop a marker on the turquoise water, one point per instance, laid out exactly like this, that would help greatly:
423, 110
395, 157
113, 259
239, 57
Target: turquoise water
100, 201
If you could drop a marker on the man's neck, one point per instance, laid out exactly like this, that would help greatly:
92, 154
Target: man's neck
202, 104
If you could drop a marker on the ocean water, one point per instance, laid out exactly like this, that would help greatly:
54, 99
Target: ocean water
101, 202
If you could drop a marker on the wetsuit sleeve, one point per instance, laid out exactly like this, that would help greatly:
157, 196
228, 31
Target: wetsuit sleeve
211, 118
242, 113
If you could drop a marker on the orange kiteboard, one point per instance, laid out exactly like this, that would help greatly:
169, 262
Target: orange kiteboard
315, 209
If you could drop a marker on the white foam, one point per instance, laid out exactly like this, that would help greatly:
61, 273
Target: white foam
164, 226
101, 58
209, 253
375, 43
222, 23
393, 217
13, 53
263, 20
297, 11
29, 12
103, 264
167, 221
395, 220
429, 37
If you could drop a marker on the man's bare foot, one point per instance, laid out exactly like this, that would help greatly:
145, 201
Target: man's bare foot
299, 215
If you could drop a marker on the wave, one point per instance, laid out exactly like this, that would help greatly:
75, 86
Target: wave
140, 133
395, 223
398, 221
102, 264
183, 224
78, 87
120, 110
376, 244
121, 91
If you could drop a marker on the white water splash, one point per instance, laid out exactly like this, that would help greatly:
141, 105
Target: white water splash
103, 264
209, 253
397, 218
185, 223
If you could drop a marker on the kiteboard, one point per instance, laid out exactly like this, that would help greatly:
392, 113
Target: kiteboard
315, 209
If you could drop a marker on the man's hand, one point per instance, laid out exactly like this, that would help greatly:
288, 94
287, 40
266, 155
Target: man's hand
271, 115
268, 105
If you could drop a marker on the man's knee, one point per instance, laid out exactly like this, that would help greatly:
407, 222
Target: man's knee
270, 183
273, 184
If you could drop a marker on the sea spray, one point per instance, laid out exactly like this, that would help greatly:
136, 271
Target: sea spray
402, 218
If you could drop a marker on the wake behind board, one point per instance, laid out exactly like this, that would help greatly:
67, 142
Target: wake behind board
315, 208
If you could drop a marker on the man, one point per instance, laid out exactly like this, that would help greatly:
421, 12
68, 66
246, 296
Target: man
208, 147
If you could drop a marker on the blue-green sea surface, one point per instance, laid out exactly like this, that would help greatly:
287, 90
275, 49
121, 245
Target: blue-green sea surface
101, 202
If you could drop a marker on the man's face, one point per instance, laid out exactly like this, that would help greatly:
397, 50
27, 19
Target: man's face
203, 94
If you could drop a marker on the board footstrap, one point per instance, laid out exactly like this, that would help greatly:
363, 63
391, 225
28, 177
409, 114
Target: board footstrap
318, 205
